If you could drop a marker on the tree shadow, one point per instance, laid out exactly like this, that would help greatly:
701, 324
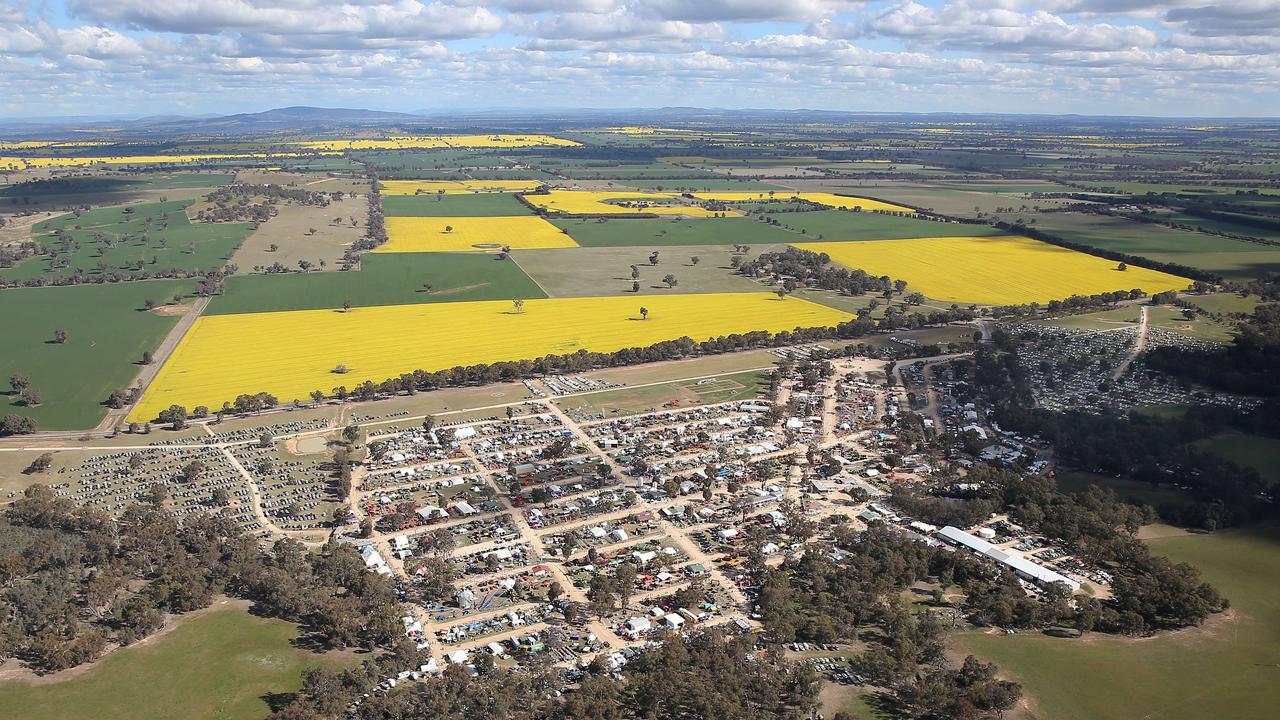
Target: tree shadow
277, 700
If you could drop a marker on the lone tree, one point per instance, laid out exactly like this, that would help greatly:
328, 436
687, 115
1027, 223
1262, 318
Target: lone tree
653, 258
695, 260
635, 286
519, 305
670, 280
448, 228
644, 313
1122, 266
346, 305
59, 336
635, 272
18, 381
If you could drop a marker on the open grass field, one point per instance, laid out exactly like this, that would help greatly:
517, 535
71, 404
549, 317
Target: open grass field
1225, 303
1225, 669
454, 187
661, 232
1004, 270
589, 272
1233, 259
616, 202
383, 279
1255, 451
1121, 317
1200, 328
474, 205
1162, 498
842, 202
472, 234
120, 235
958, 200
107, 332
683, 393
845, 225
224, 664
291, 354
107, 189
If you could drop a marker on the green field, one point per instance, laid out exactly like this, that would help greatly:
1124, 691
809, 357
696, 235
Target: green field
1200, 328
846, 225
683, 393
383, 279
480, 204
1127, 316
1233, 259
122, 234
1161, 498
1224, 303
107, 331
622, 232
1226, 669
1255, 451
223, 664
107, 189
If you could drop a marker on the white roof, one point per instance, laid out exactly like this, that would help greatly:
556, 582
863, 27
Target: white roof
1013, 561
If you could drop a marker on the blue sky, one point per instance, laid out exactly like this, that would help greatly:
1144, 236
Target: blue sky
137, 57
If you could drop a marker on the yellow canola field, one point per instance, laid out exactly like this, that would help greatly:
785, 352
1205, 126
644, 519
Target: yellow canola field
429, 234
843, 202
290, 354
455, 187
612, 202
426, 142
18, 163
1005, 270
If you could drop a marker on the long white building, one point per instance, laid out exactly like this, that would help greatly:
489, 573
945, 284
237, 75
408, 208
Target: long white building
1023, 567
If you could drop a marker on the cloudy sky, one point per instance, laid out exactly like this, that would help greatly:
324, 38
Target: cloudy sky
118, 57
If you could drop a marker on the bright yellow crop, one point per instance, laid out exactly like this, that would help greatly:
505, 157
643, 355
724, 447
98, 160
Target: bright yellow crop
290, 354
464, 234
18, 163
634, 202
844, 202
1005, 270
455, 187
416, 142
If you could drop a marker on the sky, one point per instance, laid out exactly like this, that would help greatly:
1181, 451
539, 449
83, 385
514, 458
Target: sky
1095, 57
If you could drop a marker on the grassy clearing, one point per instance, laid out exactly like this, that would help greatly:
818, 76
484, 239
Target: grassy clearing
683, 393
643, 232
107, 332
993, 270
383, 279
1140, 493
156, 234
290, 354
702, 184
106, 189
1127, 316
1224, 303
1200, 328
1233, 259
1225, 669
1255, 451
222, 664
589, 272
478, 205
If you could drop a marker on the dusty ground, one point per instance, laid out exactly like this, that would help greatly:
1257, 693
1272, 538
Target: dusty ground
291, 229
